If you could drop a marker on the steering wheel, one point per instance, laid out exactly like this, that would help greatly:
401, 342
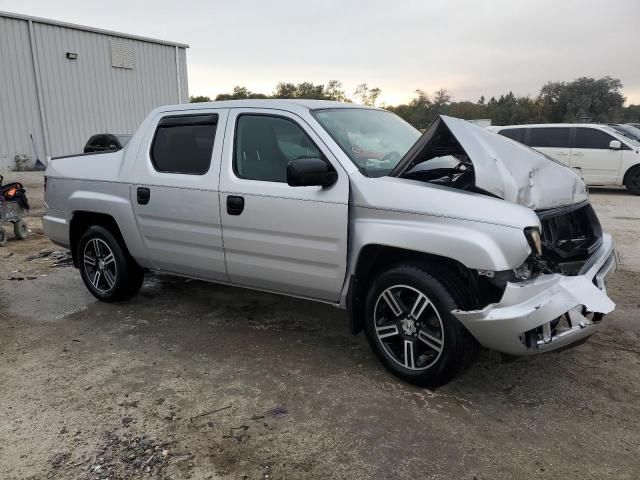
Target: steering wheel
393, 155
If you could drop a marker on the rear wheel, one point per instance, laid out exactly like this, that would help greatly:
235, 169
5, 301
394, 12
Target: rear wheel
20, 229
107, 270
411, 329
632, 180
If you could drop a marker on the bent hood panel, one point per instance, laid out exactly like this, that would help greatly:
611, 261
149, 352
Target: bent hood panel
506, 168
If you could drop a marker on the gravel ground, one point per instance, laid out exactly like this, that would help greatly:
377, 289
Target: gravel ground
195, 380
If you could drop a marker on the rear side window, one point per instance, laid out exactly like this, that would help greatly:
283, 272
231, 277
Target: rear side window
557, 137
591, 138
184, 144
516, 134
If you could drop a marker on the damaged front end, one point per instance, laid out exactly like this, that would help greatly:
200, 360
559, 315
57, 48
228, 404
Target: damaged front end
546, 312
557, 296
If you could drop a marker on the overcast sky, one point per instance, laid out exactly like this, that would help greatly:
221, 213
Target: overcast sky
470, 47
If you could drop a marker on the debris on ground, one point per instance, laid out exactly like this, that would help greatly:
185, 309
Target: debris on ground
61, 258
41, 254
209, 413
21, 277
278, 411
118, 458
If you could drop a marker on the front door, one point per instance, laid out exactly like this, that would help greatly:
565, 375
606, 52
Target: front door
592, 158
175, 193
276, 237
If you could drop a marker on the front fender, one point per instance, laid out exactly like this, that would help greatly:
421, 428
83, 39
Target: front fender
476, 245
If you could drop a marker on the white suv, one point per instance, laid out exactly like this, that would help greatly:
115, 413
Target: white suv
598, 153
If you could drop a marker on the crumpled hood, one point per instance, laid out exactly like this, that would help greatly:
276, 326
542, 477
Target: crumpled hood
505, 168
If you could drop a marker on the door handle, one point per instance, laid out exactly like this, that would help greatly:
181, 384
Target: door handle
578, 154
235, 204
143, 194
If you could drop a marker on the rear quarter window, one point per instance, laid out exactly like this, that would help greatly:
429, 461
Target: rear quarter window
184, 144
517, 134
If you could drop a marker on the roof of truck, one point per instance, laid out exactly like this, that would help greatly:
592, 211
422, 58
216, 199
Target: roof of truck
285, 103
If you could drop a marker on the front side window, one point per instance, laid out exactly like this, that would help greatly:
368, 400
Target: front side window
591, 138
552, 137
184, 144
265, 144
375, 140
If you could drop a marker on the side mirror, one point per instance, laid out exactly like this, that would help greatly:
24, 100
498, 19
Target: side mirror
307, 172
615, 145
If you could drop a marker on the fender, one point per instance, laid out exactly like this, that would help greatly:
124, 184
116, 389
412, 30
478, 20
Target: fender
117, 204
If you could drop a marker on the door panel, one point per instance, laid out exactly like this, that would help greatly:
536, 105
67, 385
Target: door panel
180, 222
552, 141
287, 239
562, 155
592, 158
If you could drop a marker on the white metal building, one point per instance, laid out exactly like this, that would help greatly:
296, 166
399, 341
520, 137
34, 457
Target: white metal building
60, 83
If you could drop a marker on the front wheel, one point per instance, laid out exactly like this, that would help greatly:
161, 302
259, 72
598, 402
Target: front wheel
107, 270
632, 180
411, 329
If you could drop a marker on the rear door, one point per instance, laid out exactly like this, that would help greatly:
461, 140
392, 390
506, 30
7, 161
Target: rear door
175, 193
552, 141
277, 237
592, 158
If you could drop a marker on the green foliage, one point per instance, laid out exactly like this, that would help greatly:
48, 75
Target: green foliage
366, 95
199, 99
584, 99
240, 93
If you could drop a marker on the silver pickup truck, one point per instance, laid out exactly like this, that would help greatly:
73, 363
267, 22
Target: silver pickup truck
434, 243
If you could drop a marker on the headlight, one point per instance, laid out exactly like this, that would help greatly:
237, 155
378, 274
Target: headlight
533, 237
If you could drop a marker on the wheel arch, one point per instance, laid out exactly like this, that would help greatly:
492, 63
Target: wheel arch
468, 288
82, 220
630, 171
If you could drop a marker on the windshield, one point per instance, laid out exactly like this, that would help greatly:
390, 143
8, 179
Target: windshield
629, 132
375, 140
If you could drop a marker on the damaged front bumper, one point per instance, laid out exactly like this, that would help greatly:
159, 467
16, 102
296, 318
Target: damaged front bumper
549, 312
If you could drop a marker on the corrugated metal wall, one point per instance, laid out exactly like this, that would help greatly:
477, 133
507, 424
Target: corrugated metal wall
83, 96
19, 114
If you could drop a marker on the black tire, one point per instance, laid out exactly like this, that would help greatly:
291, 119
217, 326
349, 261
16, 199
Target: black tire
632, 180
118, 278
439, 328
3, 237
20, 229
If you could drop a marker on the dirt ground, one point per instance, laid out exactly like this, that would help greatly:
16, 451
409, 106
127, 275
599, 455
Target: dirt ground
195, 380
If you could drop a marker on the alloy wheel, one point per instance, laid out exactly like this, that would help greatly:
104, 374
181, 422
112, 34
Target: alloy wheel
100, 265
409, 327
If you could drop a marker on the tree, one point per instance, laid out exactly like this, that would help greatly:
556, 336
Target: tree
441, 100
335, 91
367, 96
239, 93
583, 99
199, 99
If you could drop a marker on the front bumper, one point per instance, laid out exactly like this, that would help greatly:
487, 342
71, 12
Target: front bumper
524, 321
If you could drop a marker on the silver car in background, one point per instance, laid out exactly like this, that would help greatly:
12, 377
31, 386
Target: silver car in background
435, 243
